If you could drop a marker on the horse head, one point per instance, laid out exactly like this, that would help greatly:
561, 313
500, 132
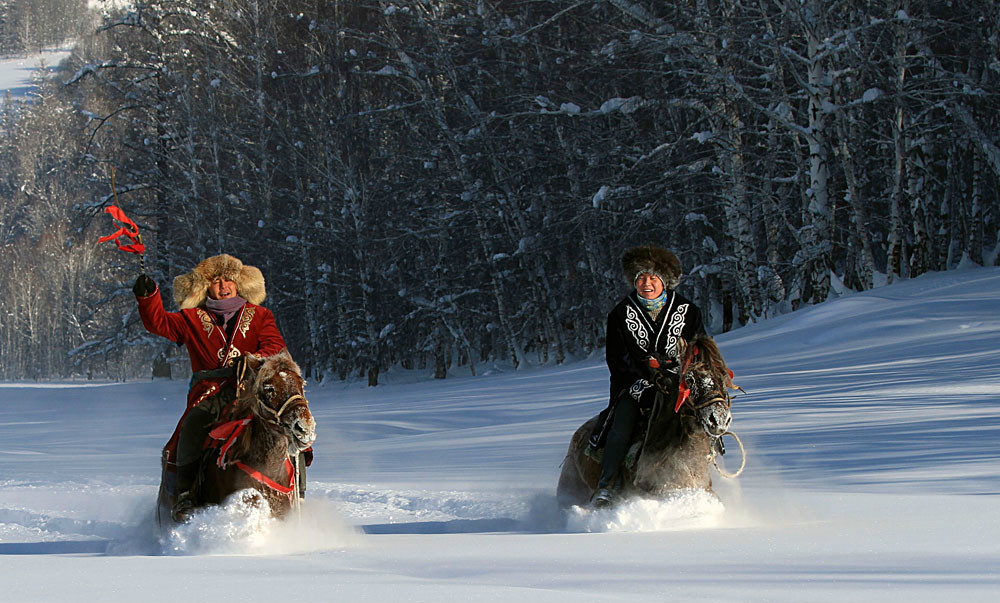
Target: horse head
681, 432
276, 395
708, 381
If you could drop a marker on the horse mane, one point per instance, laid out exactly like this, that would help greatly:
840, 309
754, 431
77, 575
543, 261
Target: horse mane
248, 401
703, 354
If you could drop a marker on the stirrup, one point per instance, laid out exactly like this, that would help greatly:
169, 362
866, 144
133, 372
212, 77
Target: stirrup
602, 499
183, 508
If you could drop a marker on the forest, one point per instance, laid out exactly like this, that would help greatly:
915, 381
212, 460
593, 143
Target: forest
445, 186
33, 25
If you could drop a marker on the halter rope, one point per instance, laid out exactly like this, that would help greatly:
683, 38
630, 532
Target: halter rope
743, 452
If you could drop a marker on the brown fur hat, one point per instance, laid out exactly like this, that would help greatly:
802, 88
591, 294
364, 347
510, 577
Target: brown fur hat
653, 260
191, 289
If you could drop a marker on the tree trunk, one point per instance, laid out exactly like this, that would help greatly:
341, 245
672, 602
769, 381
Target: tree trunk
897, 240
818, 194
865, 264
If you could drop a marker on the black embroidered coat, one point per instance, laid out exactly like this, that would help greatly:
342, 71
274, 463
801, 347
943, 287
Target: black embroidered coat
633, 336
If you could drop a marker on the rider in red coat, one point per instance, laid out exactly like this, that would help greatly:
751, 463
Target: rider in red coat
219, 321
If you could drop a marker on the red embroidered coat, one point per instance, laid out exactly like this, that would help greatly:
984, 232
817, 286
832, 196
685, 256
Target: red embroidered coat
255, 333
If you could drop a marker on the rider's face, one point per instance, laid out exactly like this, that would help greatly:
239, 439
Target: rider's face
221, 288
648, 286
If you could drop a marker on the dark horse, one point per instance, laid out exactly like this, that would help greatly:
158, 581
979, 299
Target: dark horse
676, 447
259, 444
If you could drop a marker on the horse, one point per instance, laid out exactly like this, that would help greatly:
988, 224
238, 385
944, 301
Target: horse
259, 445
678, 444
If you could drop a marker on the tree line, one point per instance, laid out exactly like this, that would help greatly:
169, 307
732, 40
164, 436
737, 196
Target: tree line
33, 25
445, 185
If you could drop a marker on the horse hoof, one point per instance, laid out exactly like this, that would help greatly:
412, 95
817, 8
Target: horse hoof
602, 499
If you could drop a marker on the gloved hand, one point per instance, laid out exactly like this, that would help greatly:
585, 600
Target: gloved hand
647, 398
666, 381
143, 286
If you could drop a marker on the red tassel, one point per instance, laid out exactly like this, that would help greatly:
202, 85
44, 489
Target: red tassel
124, 231
682, 395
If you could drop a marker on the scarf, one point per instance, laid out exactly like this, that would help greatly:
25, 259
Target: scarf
225, 308
653, 306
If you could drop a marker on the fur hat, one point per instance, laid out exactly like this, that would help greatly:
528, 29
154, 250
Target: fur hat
191, 289
652, 260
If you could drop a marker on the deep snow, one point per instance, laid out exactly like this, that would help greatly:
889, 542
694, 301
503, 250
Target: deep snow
18, 74
871, 424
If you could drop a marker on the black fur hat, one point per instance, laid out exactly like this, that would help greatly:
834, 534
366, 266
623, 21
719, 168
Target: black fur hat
652, 260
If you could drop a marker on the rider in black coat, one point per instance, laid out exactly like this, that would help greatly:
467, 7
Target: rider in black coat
642, 348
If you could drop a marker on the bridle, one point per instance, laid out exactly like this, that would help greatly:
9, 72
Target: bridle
291, 466
717, 396
293, 400
275, 419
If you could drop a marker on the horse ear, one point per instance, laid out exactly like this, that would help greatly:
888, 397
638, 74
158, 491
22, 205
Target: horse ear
252, 362
246, 370
286, 357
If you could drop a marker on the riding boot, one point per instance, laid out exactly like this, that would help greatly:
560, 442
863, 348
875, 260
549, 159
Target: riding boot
184, 505
615, 449
191, 437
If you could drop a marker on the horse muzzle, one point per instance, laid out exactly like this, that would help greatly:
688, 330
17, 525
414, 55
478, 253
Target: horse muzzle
715, 419
302, 429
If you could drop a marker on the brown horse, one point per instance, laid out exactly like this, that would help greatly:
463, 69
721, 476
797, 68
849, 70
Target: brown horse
260, 444
676, 447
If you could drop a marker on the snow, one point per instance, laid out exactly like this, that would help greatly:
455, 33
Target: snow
871, 94
625, 105
702, 137
600, 195
17, 73
871, 425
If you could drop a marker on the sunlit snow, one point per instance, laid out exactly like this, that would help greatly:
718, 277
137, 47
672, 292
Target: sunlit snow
871, 425
872, 431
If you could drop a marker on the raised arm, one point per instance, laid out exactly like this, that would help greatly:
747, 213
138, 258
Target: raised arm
154, 317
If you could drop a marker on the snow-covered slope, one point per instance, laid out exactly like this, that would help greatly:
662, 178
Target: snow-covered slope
871, 422
18, 74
